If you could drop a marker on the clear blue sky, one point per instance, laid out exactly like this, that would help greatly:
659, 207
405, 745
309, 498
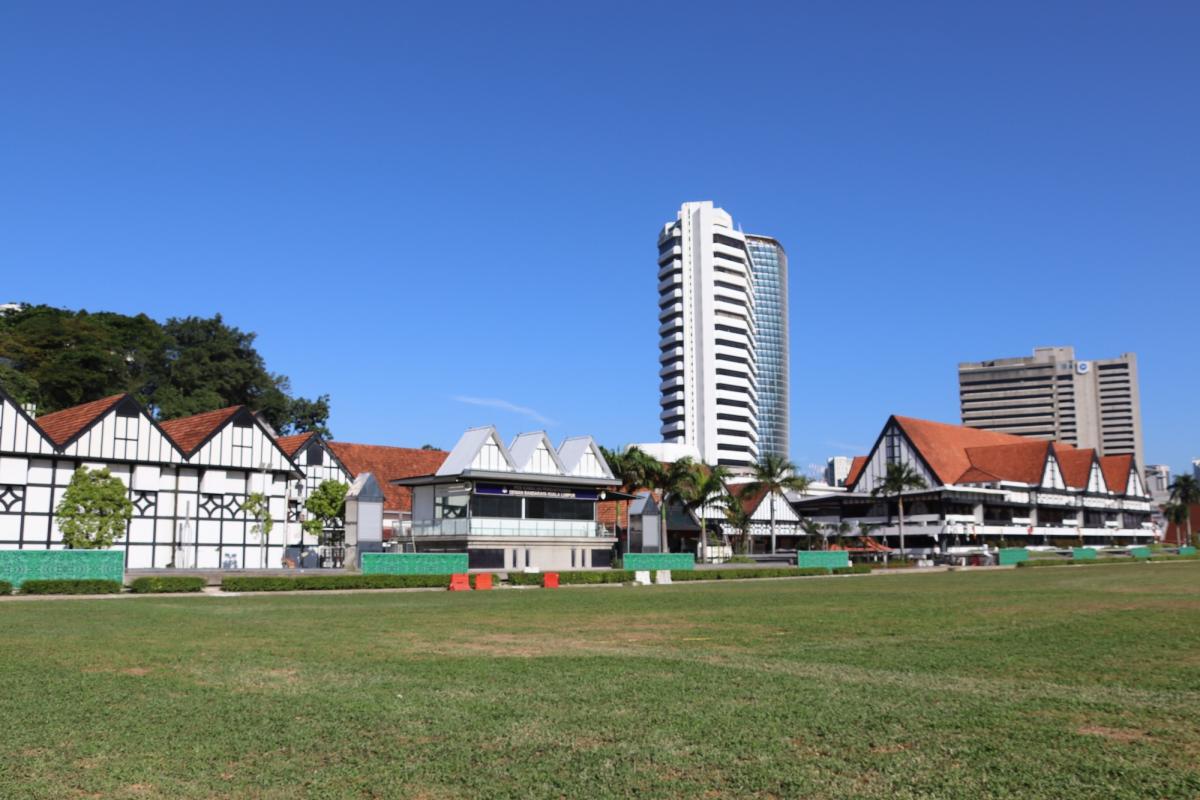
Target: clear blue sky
416, 204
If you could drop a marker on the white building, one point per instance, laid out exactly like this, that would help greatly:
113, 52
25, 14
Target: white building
708, 364
837, 469
187, 479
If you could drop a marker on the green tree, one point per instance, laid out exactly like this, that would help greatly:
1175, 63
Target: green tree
94, 511
705, 487
739, 521
326, 507
258, 507
1185, 491
812, 530
630, 467
669, 480
775, 476
896, 480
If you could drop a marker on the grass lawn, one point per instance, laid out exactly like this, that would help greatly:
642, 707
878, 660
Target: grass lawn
1049, 683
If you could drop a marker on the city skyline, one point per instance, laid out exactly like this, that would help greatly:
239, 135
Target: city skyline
351, 195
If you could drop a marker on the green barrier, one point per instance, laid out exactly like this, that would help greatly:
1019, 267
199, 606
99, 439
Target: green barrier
655, 561
414, 563
832, 559
1187, 551
1013, 555
1139, 552
1083, 554
18, 566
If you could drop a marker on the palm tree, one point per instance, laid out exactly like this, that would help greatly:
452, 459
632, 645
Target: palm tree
775, 475
811, 528
670, 481
1178, 514
1185, 491
629, 467
706, 486
738, 519
898, 478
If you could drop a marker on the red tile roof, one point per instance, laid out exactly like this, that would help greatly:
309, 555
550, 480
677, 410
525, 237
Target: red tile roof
290, 444
856, 468
944, 447
62, 426
1116, 471
189, 432
1076, 464
1021, 461
387, 464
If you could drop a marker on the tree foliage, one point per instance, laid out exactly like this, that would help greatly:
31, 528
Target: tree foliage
58, 358
326, 506
94, 511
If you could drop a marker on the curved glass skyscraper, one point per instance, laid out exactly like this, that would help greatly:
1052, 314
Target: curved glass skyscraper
768, 263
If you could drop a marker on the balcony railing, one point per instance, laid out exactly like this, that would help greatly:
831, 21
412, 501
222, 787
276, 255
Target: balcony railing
492, 526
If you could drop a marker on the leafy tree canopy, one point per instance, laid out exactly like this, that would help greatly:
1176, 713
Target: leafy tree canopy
326, 505
58, 358
94, 510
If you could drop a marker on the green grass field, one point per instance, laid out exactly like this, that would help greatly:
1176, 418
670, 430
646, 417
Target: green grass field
1051, 683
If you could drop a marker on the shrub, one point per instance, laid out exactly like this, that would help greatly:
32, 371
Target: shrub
270, 583
71, 587
894, 563
741, 560
1050, 562
741, 574
568, 578
5, 588
166, 584
853, 569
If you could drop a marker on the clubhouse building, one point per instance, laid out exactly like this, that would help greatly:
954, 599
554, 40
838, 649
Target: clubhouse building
989, 488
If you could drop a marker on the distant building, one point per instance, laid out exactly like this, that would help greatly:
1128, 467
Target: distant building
837, 468
769, 268
989, 488
1158, 480
1051, 395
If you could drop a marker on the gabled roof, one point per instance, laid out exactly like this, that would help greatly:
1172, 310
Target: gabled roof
856, 468
63, 426
462, 456
572, 451
292, 444
189, 433
1076, 465
525, 446
944, 446
1116, 471
388, 464
1022, 462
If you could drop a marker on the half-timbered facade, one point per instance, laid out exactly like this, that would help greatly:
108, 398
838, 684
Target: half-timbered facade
988, 488
187, 480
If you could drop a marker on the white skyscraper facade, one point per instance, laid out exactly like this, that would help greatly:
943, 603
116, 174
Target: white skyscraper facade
709, 342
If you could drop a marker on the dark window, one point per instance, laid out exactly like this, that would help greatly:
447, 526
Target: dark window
316, 455
602, 558
483, 505
553, 508
485, 559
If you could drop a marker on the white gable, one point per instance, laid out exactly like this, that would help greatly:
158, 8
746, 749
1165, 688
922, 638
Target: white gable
876, 468
581, 457
1051, 476
124, 433
478, 449
1135, 487
1096, 480
17, 435
242, 443
531, 452
783, 510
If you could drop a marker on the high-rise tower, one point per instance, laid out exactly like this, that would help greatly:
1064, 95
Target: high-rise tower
768, 267
710, 332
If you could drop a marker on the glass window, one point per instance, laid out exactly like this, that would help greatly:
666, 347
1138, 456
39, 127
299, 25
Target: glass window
486, 505
553, 508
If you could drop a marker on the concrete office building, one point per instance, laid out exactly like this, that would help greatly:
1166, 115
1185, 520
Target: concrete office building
837, 469
1051, 395
723, 338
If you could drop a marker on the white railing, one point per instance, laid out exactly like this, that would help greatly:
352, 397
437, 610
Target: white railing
494, 526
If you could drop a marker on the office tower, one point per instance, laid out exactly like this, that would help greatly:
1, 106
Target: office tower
837, 469
708, 360
1051, 395
768, 267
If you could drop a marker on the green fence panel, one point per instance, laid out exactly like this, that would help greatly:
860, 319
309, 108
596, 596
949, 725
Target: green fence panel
652, 561
18, 566
1187, 551
414, 563
1139, 552
1083, 554
833, 559
1013, 555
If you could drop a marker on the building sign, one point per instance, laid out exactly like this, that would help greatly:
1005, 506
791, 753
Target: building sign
536, 491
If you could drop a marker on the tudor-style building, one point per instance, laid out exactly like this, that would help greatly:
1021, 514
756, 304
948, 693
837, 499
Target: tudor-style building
985, 488
186, 478
526, 505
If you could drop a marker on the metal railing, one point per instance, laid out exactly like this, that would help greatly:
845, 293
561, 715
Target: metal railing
494, 526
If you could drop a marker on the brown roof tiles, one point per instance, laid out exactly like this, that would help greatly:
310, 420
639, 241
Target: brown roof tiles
189, 432
62, 426
388, 464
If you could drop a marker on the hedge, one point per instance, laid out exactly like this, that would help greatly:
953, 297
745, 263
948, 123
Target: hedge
1053, 562
5, 587
567, 578
853, 569
166, 584
1066, 562
740, 574
894, 563
254, 583
59, 586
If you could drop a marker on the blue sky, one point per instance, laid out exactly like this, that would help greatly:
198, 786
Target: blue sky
445, 215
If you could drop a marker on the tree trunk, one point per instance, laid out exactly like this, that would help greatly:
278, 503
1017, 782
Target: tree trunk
663, 545
703, 537
772, 523
900, 514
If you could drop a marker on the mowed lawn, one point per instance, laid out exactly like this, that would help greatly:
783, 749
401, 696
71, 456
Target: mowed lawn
1048, 683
